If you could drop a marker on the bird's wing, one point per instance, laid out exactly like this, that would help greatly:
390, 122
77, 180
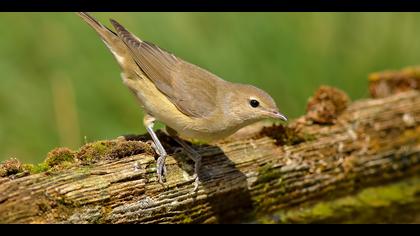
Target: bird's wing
191, 89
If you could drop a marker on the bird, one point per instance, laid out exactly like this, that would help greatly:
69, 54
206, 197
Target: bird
190, 101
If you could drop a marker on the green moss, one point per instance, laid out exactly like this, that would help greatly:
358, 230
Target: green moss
44, 167
197, 142
59, 156
99, 147
267, 176
94, 152
57, 159
35, 169
186, 220
63, 158
374, 204
322, 210
266, 220
266, 173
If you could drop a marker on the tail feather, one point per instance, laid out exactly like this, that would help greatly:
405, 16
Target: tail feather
111, 40
106, 34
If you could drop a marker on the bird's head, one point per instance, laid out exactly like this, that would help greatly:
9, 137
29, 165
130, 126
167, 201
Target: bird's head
251, 104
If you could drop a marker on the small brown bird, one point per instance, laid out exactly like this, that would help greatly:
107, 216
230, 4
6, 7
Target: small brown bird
192, 102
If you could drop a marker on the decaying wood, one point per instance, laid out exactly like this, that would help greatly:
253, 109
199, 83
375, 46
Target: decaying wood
383, 84
373, 142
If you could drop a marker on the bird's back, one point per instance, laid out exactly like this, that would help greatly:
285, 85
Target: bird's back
177, 93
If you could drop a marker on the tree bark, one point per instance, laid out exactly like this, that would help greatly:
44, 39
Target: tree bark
256, 176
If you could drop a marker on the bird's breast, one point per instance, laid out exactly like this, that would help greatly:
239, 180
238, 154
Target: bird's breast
155, 103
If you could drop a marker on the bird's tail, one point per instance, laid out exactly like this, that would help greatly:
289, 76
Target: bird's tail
106, 34
110, 38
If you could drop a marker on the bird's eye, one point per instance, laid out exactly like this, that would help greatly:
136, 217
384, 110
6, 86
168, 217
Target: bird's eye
254, 103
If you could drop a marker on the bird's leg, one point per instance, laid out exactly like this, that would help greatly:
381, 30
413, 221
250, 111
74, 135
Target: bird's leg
195, 156
149, 122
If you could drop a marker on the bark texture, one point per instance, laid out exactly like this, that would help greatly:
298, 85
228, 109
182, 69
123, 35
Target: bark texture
298, 173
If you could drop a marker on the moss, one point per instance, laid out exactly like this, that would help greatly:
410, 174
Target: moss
382, 84
92, 152
322, 210
59, 156
266, 220
35, 169
266, 173
326, 105
284, 135
374, 204
44, 167
63, 158
186, 219
10, 167
266, 178
197, 142
103, 150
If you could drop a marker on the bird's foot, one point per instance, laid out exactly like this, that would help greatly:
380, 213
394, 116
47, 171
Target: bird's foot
197, 159
149, 121
196, 182
160, 165
161, 168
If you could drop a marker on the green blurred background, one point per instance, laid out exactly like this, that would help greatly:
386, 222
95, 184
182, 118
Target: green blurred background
61, 87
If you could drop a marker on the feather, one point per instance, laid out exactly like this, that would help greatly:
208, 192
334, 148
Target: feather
191, 89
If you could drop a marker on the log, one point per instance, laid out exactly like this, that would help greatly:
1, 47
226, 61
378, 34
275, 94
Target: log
385, 83
363, 158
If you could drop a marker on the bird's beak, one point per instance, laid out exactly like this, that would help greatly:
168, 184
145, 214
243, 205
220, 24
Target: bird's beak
278, 115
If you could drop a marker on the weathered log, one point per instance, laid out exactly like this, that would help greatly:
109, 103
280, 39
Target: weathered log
252, 177
383, 84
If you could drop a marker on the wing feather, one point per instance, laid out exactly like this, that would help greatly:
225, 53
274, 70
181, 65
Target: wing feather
193, 90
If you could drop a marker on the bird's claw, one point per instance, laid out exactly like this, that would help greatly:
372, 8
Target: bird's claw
197, 166
161, 168
196, 182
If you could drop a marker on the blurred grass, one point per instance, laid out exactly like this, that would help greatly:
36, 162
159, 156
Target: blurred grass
61, 86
